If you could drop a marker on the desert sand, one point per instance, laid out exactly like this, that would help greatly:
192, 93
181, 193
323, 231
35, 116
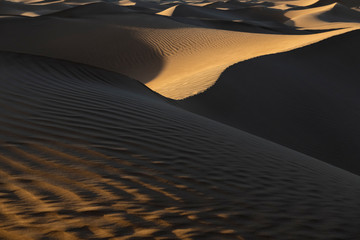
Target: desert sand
179, 120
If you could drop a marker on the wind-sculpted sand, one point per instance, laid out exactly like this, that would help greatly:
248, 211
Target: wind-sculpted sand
95, 144
174, 55
311, 103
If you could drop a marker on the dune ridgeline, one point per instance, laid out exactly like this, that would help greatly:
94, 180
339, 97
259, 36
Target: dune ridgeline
180, 120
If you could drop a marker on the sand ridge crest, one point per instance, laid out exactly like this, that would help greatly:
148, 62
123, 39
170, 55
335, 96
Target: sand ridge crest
169, 53
83, 159
96, 144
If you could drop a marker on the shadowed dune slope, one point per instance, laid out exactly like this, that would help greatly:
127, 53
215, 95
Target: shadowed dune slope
109, 42
307, 99
88, 154
93, 145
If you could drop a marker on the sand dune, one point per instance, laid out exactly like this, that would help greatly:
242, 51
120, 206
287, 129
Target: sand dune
313, 111
171, 57
96, 144
90, 154
316, 18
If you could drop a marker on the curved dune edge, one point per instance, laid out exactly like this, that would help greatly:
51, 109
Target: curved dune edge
169, 55
316, 18
298, 99
203, 69
88, 154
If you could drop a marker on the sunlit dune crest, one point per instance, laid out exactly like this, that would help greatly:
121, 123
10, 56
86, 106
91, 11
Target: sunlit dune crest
172, 57
194, 119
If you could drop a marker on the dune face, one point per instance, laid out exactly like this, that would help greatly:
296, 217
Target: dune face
166, 49
179, 120
306, 99
91, 154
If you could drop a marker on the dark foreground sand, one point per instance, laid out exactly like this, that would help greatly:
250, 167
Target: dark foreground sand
91, 149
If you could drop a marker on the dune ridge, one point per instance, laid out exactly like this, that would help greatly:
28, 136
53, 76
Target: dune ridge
68, 172
168, 54
191, 119
313, 111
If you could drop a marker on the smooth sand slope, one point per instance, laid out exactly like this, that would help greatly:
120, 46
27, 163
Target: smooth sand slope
307, 99
87, 154
172, 54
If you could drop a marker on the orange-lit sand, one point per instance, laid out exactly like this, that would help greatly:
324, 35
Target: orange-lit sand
96, 143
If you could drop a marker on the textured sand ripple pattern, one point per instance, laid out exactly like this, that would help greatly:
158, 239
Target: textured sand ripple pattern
89, 154
182, 53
